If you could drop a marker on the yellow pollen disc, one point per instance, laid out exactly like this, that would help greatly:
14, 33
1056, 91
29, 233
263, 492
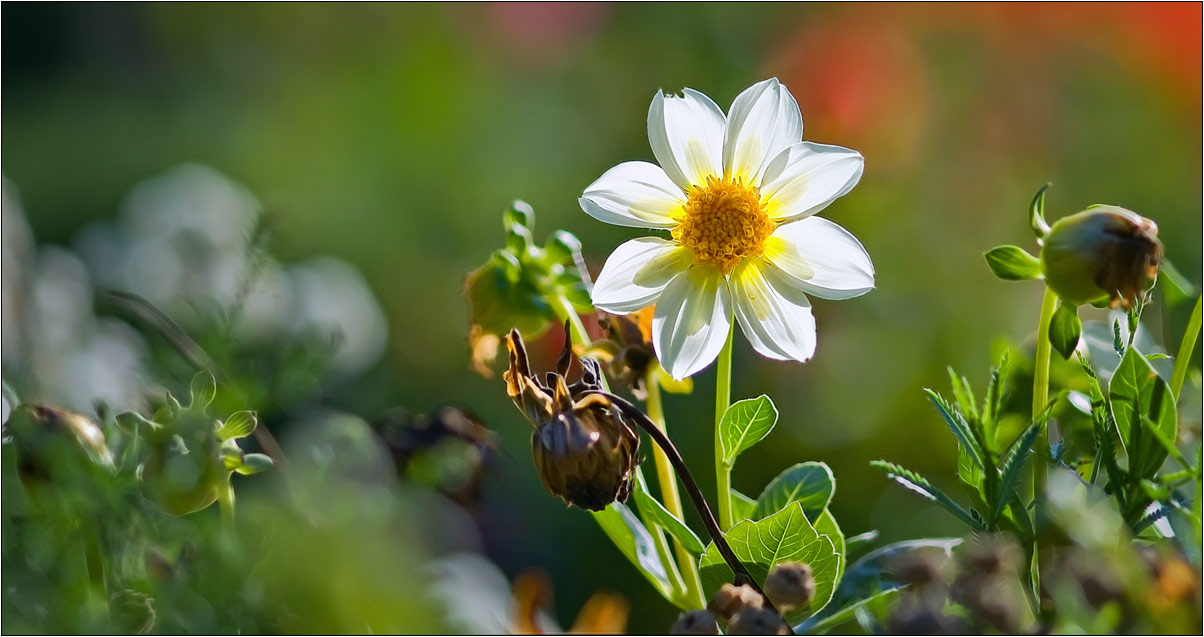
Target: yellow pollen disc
722, 224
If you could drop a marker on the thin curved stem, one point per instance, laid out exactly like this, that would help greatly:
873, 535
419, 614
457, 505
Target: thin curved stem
1186, 347
704, 509
723, 399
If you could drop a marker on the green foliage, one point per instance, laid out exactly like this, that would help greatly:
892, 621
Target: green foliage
811, 484
1036, 213
1064, 329
1144, 412
744, 424
1012, 263
651, 509
635, 542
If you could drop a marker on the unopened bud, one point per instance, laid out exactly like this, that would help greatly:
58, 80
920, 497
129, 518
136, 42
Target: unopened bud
790, 585
1104, 253
757, 621
695, 622
731, 599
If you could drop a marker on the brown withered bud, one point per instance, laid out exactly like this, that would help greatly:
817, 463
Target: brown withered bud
790, 585
731, 599
757, 621
695, 622
584, 449
919, 568
631, 336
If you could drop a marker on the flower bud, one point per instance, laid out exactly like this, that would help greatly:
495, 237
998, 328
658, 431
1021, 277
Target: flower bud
586, 452
1104, 253
731, 599
790, 585
757, 621
695, 622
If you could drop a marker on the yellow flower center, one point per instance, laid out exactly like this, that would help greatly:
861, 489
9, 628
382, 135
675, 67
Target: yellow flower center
722, 223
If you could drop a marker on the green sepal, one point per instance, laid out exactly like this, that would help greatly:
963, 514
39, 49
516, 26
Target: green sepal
1012, 263
1036, 213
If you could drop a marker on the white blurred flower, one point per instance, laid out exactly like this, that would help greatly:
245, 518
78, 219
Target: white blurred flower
331, 296
737, 194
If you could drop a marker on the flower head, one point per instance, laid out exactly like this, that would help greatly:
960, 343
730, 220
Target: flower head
1102, 254
737, 193
585, 451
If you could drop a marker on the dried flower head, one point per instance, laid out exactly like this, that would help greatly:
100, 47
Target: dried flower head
584, 449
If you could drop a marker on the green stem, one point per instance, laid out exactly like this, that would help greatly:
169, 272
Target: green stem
1041, 389
668, 482
94, 559
225, 502
1183, 359
567, 312
723, 399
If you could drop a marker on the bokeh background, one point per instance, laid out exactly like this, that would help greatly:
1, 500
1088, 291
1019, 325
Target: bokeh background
375, 146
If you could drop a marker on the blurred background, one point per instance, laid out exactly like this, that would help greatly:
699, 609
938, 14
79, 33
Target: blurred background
328, 175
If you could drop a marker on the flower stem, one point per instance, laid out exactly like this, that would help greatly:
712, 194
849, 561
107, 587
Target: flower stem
723, 398
668, 482
1183, 359
1041, 389
567, 312
225, 502
704, 509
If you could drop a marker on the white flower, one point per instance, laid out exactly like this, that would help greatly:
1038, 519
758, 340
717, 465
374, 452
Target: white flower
737, 194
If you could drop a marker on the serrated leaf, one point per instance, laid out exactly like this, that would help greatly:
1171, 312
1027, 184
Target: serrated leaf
920, 485
1036, 213
1012, 263
963, 394
785, 536
1064, 330
1143, 411
826, 524
633, 540
253, 463
202, 390
240, 424
742, 506
996, 391
744, 424
811, 484
653, 510
1013, 464
958, 425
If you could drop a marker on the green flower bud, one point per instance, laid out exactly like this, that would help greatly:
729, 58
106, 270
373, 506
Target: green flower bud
1102, 254
790, 585
586, 452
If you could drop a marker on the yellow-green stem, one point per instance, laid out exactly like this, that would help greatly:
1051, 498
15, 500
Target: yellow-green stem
225, 502
723, 398
569, 313
1186, 347
1041, 389
668, 482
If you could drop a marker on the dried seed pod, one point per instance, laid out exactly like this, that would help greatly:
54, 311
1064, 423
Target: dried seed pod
731, 599
584, 448
1104, 253
757, 621
695, 622
790, 585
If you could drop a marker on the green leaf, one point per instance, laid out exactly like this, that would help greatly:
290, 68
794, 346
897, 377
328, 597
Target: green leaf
240, 424
826, 524
627, 533
1012, 263
653, 510
202, 390
811, 484
920, 485
1036, 213
1144, 411
958, 425
744, 424
1013, 463
253, 463
996, 389
963, 394
1064, 330
742, 506
823, 622
785, 536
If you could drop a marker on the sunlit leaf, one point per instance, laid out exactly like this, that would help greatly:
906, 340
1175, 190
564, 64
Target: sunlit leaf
627, 533
744, 424
240, 424
1064, 330
811, 484
920, 485
653, 510
202, 390
1144, 411
1012, 263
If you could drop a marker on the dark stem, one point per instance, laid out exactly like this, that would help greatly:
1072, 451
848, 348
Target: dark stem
700, 503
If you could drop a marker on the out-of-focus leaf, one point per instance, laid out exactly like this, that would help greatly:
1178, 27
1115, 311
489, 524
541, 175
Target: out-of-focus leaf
742, 506
919, 484
240, 424
811, 484
744, 424
1012, 263
202, 390
253, 463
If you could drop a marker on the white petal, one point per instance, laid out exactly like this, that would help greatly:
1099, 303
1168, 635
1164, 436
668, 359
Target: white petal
691, 321
763, 120
805, 177
636, 194
686, 134
636, 272
823, 258
774, 314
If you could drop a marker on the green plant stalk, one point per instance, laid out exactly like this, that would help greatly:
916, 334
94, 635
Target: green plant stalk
1186, 347
94, 560
567, 312
669, 493
1041, 389
225, 502
723, 399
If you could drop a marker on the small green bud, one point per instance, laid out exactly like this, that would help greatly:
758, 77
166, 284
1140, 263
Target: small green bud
1102, 254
